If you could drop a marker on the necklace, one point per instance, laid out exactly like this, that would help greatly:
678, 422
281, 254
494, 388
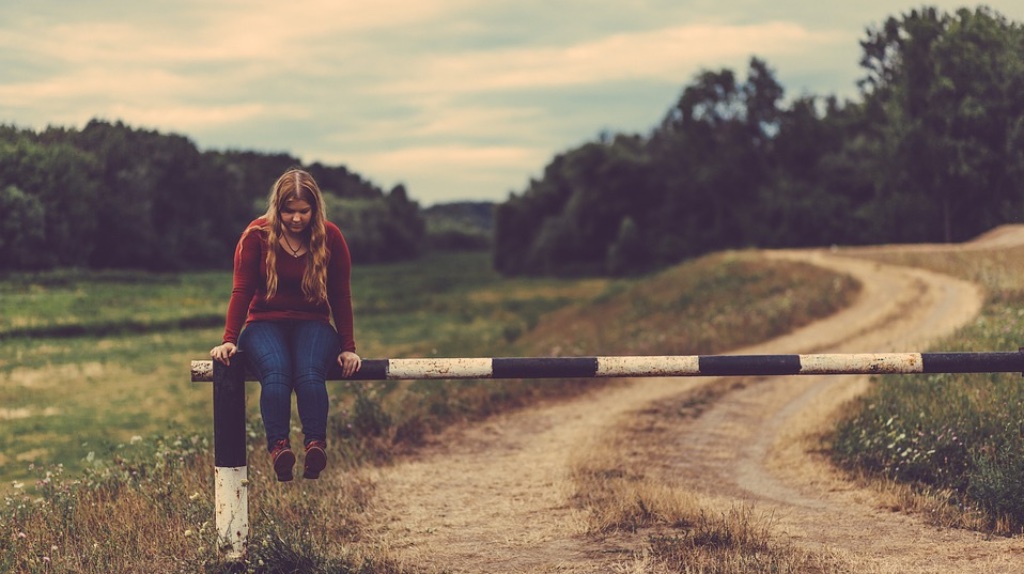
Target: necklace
295, 251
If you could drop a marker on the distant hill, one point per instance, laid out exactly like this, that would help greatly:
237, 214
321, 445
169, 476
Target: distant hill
473, 214
460, 226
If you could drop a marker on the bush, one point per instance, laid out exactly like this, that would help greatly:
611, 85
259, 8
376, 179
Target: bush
957, 432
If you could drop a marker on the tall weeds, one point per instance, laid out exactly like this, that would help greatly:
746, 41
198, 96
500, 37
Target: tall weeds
957, 436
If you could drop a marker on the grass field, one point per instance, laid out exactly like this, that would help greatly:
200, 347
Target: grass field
957, 438
104, 439
92, 359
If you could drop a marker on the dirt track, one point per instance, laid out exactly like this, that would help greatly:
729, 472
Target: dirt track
494, 497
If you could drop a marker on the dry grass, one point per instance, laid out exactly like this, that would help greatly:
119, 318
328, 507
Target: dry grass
615, 494
154, 511
619, 489
931, 504
979, 411
136, 511
116, 519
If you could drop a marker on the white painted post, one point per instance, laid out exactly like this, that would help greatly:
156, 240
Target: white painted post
231, 482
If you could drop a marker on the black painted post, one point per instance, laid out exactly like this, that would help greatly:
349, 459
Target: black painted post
231, 495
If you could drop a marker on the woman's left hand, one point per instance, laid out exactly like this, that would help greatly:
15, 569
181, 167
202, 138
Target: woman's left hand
350, 363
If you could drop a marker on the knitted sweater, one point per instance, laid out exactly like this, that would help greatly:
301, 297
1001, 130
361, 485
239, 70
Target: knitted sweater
249, 301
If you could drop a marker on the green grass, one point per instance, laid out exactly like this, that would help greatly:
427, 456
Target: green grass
452, 305
108, 358
959, 435
710, 305
95, 303
103, 433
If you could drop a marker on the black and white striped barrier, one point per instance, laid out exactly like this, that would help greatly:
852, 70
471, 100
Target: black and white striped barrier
668, 366
231, 478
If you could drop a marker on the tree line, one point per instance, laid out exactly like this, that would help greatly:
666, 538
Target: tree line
932, 150
111, 196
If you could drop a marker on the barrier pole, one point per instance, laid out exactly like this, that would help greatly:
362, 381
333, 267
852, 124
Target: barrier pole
670, 366
231, 478
231, 493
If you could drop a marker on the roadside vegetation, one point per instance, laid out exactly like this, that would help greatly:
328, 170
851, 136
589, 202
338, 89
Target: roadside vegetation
618, 489
952, 445
107, 458
616, 486
947, 447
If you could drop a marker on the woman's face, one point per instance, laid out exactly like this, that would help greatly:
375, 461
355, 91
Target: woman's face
296, 215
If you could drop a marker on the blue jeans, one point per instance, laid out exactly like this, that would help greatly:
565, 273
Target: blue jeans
291, 356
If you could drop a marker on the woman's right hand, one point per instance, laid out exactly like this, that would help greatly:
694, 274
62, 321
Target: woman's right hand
224, 352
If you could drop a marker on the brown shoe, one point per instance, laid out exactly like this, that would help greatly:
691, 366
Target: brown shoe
316, 458
283, 459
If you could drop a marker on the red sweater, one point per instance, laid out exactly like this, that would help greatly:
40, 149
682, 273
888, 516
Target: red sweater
249, 292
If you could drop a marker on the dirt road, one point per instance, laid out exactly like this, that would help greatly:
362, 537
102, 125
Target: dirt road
494, 497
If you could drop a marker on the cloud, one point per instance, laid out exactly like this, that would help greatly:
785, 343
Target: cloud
500, 114
454, 97
91, 82
481, 170
201, 118
432, 157
660, 54
199, 31
438, 122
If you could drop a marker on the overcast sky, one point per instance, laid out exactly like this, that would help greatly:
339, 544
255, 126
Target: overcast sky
457, 99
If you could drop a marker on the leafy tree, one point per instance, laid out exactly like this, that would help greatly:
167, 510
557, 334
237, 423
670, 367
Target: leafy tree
22, 228
712, 154
628, 255
378, 230
114, 196
932, 151
519, 220
680, 188
565, 223
61, 179
460, 226
947, 88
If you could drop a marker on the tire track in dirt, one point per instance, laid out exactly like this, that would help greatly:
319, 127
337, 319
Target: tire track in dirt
494, 497
752, 447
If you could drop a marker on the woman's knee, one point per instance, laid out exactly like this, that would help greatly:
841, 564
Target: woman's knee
316, 340
310, 381
265, 347
276, 389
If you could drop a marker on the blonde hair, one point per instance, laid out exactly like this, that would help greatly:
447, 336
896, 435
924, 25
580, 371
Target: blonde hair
297, 184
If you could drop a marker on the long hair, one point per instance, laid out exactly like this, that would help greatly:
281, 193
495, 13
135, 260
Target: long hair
297, 184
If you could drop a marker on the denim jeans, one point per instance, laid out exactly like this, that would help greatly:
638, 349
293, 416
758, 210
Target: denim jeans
291, 356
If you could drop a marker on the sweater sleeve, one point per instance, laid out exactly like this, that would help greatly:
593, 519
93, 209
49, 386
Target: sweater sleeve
339, 288
245, 280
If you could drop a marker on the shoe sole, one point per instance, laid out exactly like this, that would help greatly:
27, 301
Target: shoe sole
316, 461
283, 466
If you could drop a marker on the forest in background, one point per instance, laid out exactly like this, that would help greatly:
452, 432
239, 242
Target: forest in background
932, 151
112, 196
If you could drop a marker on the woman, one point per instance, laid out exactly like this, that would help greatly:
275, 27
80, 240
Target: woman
291, 275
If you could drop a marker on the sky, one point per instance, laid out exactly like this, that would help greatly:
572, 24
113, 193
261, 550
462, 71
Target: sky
455, 99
